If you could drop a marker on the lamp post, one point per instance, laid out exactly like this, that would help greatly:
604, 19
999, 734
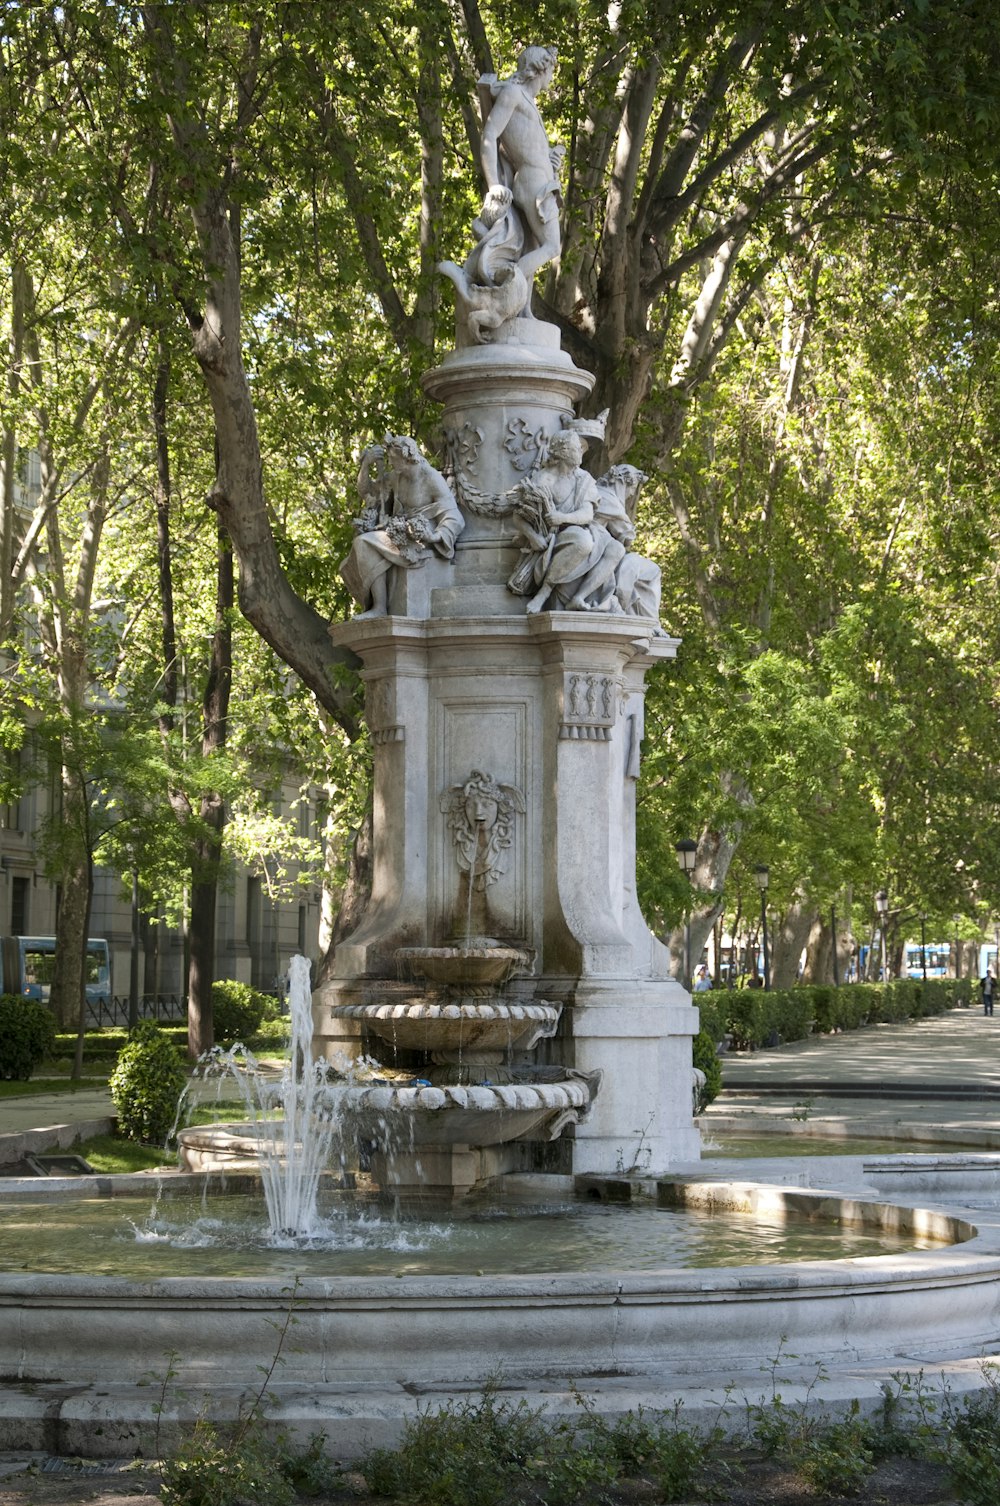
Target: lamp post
762, 875
882, 906
687, 852
833, 934
923, 946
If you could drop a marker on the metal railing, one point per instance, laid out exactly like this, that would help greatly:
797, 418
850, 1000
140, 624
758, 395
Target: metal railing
163, 1007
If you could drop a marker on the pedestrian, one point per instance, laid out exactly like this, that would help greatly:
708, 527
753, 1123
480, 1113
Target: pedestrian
988, 984
702, 980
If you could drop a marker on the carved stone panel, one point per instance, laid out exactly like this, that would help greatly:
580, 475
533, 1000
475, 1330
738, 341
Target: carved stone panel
480, 813
480, 874
380, 712
590, 706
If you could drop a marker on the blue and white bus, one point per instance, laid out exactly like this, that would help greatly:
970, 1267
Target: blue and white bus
937, 955
27, 965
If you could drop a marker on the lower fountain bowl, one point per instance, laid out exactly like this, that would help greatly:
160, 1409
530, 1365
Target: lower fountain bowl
364, 1348
474, 1115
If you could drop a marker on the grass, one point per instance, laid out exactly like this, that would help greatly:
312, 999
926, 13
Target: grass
111, 1155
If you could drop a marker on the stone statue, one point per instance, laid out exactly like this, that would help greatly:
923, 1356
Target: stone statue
636, 584
569, 556
518, 226
409, 514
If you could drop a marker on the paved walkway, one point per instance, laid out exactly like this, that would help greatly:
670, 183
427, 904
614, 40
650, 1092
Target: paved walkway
945, 1071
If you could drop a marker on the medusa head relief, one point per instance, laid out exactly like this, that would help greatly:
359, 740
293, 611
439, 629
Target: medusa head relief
480, 813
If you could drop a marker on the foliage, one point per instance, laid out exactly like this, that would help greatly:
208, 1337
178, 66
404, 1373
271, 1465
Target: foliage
238, 1010
146, 1085
705, 1057
972, 1443
27, 1034
779, 261
212, 1470
758, 1017
468, 1453
99, 1045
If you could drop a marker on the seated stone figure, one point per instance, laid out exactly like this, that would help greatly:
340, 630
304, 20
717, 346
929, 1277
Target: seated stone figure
410, 513
569, 556
636, 585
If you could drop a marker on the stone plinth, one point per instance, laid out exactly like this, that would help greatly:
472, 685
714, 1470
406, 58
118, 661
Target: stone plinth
551, 707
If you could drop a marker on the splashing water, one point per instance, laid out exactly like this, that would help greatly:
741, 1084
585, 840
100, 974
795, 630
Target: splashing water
296, 1118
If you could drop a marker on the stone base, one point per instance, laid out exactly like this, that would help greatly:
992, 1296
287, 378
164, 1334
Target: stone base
641, 1122
440, 1171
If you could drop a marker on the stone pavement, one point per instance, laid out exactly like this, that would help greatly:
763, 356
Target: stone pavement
940, 1071
39, 1122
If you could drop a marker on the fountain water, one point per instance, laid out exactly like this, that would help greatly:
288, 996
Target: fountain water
293, 1121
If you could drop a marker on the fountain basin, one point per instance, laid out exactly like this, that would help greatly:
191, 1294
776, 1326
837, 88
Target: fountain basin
365, 1349
474, 1115
464, 965
446, 1025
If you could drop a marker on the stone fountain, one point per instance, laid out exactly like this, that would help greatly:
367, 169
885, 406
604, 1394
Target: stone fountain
503, 968
505, 628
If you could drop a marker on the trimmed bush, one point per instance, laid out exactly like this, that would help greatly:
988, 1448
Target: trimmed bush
754, 1018
705, 1058
757, 1018
99, 1045
712, 1012
27, 1035
242, 1009
237, 1011
146, 1085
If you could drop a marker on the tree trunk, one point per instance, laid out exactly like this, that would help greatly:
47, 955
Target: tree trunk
67, 996
201, 966
787, 939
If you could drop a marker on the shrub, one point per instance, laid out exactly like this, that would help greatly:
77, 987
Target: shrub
972, 1444
99, 1045
146, 1085
757, 1017
712, 1012
469, 1453
210, 1470
237, 1011
705, 1057
27, 1035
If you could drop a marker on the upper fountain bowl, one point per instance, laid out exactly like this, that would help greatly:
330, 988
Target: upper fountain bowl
480, 963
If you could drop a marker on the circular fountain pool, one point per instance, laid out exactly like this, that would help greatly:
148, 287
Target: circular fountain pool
229, 1236
83, 1354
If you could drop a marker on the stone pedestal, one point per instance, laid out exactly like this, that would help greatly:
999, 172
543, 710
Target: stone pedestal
459, 683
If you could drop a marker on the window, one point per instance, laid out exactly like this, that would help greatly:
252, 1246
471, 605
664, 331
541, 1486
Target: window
19, 889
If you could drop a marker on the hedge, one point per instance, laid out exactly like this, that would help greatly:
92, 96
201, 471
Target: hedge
27, 1030
758, 1017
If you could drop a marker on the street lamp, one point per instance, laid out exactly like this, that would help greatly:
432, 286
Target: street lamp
882, 906
762, 875
687, 852
923, 946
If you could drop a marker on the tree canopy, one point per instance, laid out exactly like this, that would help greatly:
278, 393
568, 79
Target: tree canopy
220, 229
